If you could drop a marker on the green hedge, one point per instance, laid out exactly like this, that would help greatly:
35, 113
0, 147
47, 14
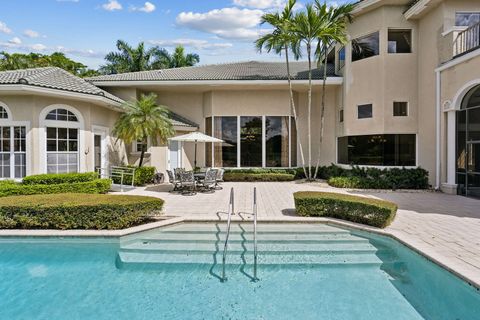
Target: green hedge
262, 171
94, 186
372, 178
60, 178
239, 176
143, 175
69, 211
373, 212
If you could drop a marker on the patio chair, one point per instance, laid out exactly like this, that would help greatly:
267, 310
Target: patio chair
177, 172
219, 179
188, 183
173, 181
208, 184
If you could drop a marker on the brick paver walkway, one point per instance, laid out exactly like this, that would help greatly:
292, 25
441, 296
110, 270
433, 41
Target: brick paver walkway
445, 227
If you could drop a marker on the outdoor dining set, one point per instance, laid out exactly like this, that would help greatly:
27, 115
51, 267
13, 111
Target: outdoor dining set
190, 182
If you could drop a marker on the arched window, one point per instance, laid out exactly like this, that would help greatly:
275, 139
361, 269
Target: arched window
3, 113
61, 115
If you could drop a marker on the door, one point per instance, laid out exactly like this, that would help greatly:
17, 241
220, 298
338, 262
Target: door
174, 155
97, 156
473, 169
100, 149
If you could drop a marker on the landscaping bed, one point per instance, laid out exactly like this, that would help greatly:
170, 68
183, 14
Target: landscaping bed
71, 211
372, 212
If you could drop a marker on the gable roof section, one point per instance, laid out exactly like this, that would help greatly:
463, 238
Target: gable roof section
54, 78
179, 121
252, 70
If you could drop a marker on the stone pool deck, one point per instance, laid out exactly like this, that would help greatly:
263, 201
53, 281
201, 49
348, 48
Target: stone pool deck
445, 228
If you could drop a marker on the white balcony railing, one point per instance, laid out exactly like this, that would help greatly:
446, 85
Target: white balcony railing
467, 40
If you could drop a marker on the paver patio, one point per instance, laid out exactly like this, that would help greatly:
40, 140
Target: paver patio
444, 227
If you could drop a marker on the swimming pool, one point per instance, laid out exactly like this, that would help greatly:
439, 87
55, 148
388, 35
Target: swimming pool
306, 271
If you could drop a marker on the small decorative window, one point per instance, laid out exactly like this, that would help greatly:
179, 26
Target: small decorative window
341, 58
341, 115
139, 145
400, 109
365, 111
61, 115
3, 113
399, 41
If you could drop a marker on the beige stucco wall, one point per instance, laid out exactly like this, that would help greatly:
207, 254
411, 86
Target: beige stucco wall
27, 108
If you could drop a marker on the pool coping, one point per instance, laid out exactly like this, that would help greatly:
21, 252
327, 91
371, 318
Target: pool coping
468, 277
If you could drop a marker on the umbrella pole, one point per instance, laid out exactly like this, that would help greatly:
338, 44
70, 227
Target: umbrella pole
195, 160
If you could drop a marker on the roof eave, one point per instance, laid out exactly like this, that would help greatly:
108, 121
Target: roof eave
29, 89
127, 83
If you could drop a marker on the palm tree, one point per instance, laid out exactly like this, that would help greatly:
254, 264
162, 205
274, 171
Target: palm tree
282, 40
335, 19
177, 60
143, 119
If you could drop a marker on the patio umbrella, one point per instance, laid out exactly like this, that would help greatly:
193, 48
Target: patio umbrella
196, 137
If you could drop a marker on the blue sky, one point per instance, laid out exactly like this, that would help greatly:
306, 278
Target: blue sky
218, 30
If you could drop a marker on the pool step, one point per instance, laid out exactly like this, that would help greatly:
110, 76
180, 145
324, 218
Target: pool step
248, 227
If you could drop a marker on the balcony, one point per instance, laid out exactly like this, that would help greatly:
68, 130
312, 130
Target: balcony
467, 40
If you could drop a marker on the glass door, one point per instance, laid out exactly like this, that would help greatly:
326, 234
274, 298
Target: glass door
472, 182
97, 141
174, 150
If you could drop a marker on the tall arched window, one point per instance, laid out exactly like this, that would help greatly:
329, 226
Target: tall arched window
62, 128
468, 144
3, 113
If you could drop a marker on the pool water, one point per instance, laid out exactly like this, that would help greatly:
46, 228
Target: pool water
312, 271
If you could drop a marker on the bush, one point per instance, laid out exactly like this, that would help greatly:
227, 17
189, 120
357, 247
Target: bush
94, 186
372, 212
239, 176
262, 171
69, 211
60, 178
143, 175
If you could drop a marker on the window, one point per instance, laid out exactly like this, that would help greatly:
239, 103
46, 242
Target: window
399, 41
365, 47
378, 150
341, 115
341, 58
365, 111
466, 19
12, 152
62, 150
138, 145
400, 109
3, 113
61, 115
252, 141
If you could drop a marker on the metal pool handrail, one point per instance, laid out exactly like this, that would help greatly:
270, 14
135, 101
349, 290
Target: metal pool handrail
255, 233
231, 209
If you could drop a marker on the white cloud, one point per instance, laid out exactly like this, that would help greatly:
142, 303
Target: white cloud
193, 43
4, 28
31, 33
112, 5
39, 47
15, 40
147, 7
12, 44
227, 23
260, 4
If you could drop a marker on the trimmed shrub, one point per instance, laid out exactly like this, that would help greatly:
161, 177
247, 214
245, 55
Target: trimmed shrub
262, 171
239, 176
372, 212
143, 175
60, 178
94, 186
69, 211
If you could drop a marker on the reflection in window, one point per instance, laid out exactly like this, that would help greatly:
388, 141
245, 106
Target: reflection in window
399, 41
277, 141
208, 146
365, 111
466, 19
61, 115
378, 150
341, 58
365, 47
3, 113
251, 141
226, 152
62, 150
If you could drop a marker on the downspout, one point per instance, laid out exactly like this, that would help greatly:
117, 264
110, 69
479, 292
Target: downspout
438, 113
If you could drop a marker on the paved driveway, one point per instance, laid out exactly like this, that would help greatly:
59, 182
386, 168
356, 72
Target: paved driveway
445, 227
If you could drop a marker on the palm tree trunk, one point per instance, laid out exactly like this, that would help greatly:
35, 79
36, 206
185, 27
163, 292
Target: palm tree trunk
309, 112
294, 110
142, 153
322, 113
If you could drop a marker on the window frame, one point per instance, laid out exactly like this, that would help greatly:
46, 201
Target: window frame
341, 116
364, 105
135, 145
342, 65
352, 51
464, 12
407, 105
400, 29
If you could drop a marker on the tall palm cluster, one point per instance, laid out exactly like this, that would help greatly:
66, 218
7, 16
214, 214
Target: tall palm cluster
131, 59
308, 32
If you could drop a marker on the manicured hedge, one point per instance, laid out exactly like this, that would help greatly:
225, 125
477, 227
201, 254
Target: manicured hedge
373, 212
94, 186
262, 171
69, 211
60, 178
238, 176
143, 175
372, 178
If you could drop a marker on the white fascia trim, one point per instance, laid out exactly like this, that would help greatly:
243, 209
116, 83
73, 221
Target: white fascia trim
127, 83
458, 60
183, 128
416, 9
61, 93
363, 5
